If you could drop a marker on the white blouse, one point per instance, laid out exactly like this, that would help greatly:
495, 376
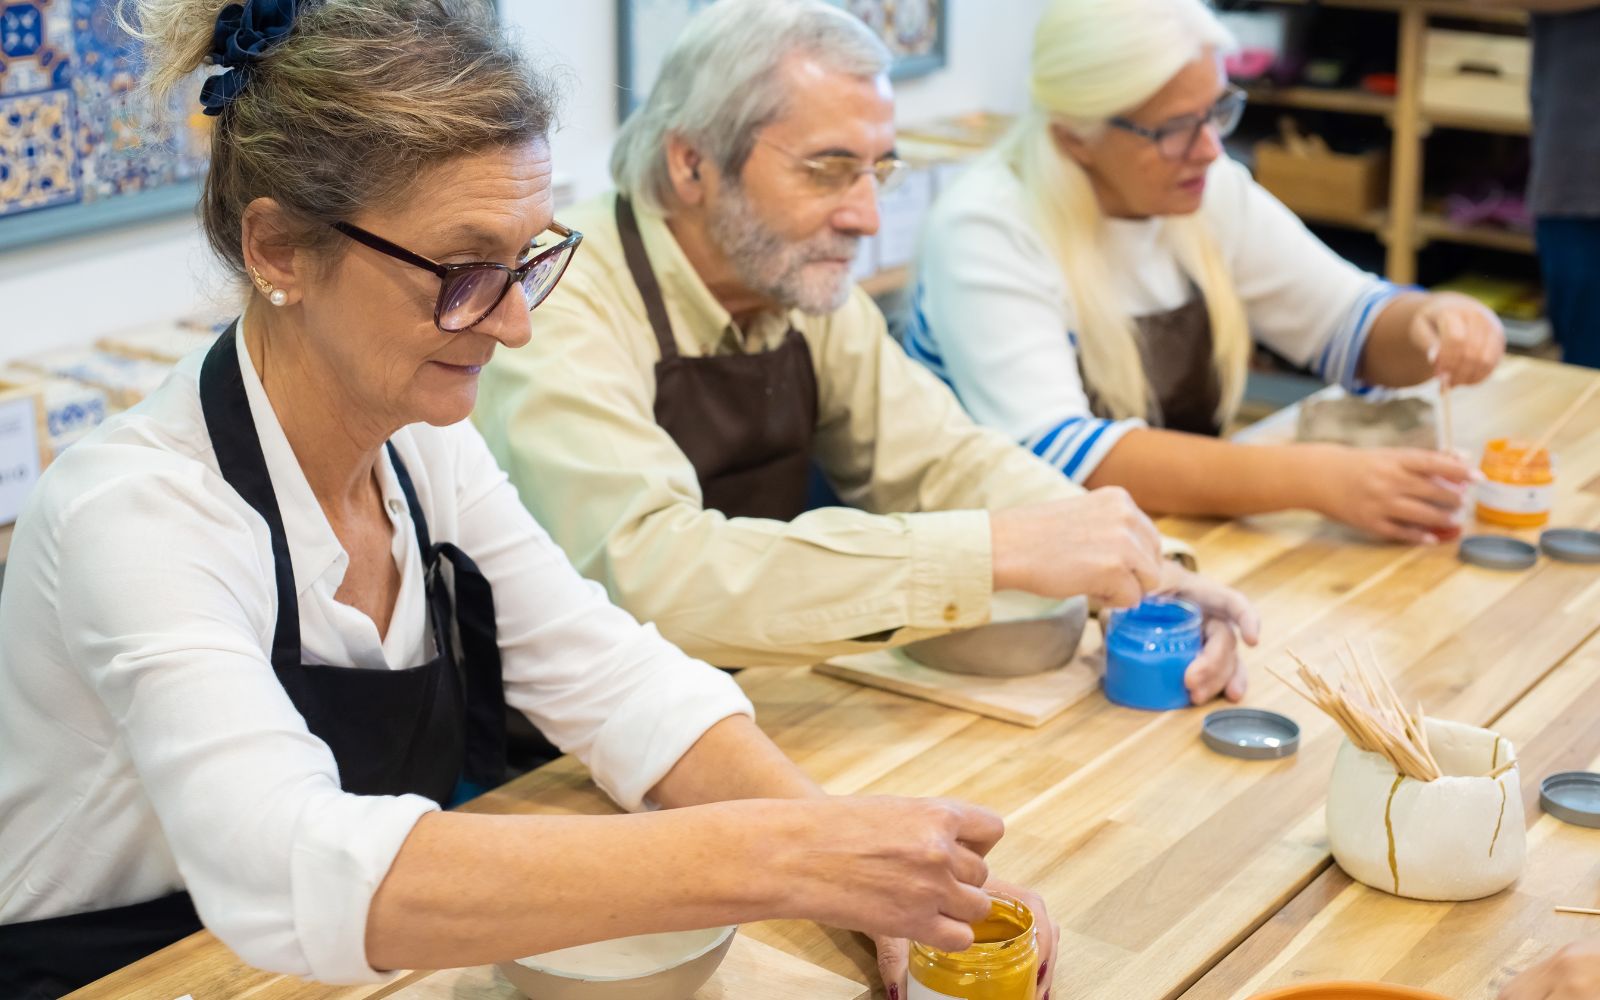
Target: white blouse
993, 316
145, 742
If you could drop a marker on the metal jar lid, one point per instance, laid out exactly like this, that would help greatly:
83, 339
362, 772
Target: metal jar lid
1572, 797
1574, 545
1250, 733
1497, 552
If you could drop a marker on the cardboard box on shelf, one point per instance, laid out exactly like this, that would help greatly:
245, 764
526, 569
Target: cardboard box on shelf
900, 214
124, 380
71, 409
24, 448
165, 342
1476, 73
1322, 185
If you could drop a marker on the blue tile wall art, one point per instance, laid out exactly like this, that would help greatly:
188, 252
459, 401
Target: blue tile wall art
80, 146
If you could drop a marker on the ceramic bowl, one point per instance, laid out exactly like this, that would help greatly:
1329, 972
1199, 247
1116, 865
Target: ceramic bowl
1458, 837
647, 967
1026, 634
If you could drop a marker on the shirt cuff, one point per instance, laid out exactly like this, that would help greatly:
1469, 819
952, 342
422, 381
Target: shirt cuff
952, 569
1181, 553
655, 726
344, 847
1340, 358
1077, 445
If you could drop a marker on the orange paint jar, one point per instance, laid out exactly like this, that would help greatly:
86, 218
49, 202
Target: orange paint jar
1520, 489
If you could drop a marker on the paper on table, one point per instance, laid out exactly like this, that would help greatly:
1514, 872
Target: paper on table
19, 454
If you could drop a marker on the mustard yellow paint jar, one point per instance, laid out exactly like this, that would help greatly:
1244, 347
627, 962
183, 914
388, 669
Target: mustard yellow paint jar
1002, 964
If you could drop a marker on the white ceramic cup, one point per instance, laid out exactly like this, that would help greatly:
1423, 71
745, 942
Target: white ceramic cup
1459, 837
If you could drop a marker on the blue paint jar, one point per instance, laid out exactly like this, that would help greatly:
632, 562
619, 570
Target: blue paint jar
1148, 650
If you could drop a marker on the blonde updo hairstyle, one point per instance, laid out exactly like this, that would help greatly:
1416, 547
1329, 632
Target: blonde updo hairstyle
346, 112
1094, 60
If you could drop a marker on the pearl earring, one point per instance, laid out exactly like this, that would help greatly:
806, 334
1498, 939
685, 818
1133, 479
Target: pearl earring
276, 296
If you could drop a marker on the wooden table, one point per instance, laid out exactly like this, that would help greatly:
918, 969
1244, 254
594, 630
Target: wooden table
1158, 857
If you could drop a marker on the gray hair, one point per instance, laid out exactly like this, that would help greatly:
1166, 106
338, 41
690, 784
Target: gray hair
719, 86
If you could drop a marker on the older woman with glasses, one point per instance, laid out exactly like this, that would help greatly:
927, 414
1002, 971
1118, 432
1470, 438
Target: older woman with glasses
1092, 289
258, 630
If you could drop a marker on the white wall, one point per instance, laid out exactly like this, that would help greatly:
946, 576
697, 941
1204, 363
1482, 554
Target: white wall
75, 291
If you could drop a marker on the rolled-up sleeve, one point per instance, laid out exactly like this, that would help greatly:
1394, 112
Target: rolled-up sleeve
600, 685
171, 610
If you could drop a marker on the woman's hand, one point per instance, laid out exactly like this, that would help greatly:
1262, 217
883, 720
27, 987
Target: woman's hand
887, 866
1229, 617
1460, 336
894, 954
1573, 973
1402, 494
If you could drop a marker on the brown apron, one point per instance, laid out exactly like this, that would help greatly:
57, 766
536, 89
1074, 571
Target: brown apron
745, 421
1176, 347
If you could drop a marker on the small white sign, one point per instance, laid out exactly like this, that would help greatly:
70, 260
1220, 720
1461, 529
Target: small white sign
19, 455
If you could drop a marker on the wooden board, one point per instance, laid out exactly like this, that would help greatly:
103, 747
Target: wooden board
752, 971
1340, 929
1027, 701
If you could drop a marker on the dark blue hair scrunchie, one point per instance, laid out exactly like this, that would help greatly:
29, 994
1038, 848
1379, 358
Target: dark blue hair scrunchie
244, 33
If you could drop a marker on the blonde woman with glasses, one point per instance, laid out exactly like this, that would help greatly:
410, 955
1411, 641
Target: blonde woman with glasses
1093, 287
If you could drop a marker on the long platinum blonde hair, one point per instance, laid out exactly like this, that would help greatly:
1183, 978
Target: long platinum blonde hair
1093, 60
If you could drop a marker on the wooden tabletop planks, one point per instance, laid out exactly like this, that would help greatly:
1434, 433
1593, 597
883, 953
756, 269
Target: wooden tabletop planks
1159, 858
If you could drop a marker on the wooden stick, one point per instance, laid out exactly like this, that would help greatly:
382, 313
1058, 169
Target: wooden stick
1561, 422
1447, 426
1578, 909
1503, 768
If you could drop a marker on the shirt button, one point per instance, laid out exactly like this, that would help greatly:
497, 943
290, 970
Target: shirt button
951, 612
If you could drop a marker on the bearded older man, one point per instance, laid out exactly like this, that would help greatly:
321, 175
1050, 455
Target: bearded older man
707, 350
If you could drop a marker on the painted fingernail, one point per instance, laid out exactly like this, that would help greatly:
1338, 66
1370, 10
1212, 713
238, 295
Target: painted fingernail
1044, 970
894, 993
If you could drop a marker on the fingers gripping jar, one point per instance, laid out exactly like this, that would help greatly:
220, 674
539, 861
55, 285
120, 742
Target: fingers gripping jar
1002, 964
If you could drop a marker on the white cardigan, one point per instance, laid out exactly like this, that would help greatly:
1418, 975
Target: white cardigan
993, 316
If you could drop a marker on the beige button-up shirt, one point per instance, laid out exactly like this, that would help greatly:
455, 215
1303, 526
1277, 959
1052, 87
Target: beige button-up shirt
571, 418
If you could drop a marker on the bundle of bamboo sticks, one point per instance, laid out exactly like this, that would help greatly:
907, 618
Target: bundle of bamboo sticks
1366, 707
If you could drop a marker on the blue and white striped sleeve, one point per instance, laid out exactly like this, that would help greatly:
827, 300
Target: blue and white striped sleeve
1077, 445
1339, 361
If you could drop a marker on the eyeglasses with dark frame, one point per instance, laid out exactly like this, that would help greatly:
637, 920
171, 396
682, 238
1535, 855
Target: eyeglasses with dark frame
469, 292
835, 173
1175, 139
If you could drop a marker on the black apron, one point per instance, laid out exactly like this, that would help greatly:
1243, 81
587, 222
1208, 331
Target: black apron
1185, 390
436, 730
745, 421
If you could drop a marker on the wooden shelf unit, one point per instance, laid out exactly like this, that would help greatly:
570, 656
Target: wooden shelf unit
1406, 227
1345, 100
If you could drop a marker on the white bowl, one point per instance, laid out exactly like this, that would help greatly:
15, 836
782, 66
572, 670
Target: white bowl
646, 967
1456, 837
1026, 634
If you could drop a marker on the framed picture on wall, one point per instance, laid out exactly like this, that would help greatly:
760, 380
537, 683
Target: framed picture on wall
916, 32
80, 148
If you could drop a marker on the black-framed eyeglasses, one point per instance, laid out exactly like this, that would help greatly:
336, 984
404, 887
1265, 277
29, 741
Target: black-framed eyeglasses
1176, 138
469, 292
835, 173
